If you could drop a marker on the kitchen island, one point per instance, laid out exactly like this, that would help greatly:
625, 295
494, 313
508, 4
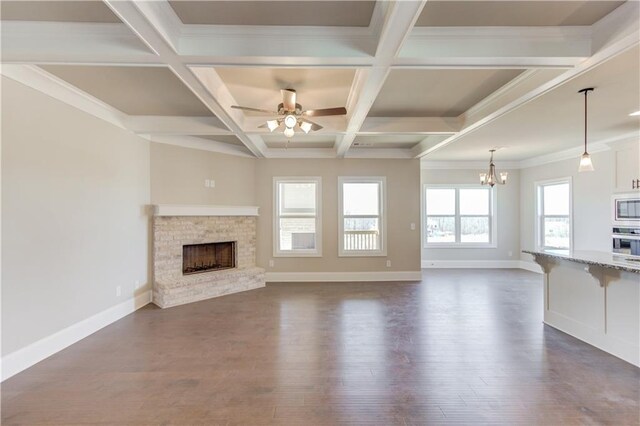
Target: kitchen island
595, 297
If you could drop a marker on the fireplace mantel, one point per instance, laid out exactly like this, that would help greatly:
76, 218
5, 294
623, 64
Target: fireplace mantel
203, 210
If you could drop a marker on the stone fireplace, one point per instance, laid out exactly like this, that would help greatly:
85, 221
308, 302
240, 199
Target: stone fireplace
201, 252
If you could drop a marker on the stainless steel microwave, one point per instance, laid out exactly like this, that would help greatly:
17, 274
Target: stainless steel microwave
626, 209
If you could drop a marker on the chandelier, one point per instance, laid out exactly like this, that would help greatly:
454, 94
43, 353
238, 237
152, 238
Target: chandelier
490, 178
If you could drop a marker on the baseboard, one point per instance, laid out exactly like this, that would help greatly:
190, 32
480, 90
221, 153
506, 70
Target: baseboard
471, 264
481, 264
24, 358
343, 276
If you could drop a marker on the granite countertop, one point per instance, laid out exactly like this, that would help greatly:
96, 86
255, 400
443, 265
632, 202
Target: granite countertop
598, 258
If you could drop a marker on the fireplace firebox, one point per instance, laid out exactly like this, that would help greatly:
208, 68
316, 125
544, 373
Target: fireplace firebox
198, 258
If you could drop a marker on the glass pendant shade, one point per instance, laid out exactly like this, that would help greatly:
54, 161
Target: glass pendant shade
306, 127
585, 163
288, 132
503, 177
272, 125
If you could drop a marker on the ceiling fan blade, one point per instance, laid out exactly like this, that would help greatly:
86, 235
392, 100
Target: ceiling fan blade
314, 126
289, 99
324, 112
265, 111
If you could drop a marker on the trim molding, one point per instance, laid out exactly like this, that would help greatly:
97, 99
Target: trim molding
288, 277
481, 264
28, 356
187, 210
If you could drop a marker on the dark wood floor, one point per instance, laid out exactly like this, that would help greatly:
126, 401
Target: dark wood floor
461, 347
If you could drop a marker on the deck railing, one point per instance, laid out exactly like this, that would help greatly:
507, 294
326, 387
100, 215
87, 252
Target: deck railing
361, 240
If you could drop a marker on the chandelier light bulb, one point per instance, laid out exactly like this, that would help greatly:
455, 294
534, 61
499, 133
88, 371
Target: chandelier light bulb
290, 121
288, 132
503, 177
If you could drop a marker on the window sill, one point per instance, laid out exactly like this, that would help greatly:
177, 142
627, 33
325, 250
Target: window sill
362, 254
460, 245
294, 254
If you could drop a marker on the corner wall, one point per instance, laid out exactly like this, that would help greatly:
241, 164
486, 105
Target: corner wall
75, 191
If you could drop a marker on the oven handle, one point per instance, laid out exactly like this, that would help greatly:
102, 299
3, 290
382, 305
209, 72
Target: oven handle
626, 237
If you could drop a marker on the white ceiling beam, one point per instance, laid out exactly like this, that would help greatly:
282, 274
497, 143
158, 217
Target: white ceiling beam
164, 125
413, 125
202, 144
399, 19
506, 47
143, 20
71, 42
38, 79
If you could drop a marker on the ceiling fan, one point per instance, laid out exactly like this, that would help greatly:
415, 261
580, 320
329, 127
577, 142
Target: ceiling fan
290, 114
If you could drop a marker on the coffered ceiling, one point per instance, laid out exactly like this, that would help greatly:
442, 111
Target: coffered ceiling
441, 80
545, 13
283, 13
57, 11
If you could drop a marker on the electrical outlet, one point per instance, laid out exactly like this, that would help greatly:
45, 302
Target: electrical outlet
413, 226
137, 284
388, 264
207, 182
212, 183
271, 263
510, 253
118, 291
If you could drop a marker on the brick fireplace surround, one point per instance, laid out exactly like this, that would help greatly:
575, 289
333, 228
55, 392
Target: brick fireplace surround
175, 226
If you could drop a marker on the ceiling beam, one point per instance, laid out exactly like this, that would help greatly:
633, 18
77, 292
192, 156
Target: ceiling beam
142, 19
202, 144
399, 19
163, 125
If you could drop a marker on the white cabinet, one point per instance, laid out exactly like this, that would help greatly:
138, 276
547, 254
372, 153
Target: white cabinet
627, 167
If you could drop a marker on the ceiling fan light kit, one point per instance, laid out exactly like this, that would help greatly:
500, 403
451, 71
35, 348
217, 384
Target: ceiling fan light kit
491, 178
291, 115
586, 165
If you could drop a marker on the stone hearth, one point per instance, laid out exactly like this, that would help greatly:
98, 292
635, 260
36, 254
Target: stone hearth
170, 233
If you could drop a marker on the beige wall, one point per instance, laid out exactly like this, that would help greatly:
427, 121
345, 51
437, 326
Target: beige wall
508, 217
178, 176
403, 201
74, 191
591, 201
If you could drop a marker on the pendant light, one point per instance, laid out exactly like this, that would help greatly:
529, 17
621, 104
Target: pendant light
585, 161
490, 178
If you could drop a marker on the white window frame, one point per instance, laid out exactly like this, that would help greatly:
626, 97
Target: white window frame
382, 210
277, 252
493, 217
539, 212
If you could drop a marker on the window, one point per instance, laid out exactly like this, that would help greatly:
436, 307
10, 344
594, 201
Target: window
361, 204
461, 215
297, 225
553, 206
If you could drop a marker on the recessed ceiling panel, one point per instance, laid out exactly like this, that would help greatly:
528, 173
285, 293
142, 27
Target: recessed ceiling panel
555, 121
448, 13
437, 92
260, 87
133, 90
386, 141
228, 139
59, 11
299, 140
299, 13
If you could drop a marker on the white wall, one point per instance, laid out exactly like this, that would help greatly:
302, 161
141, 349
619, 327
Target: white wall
591, 201
508, 216
74, 219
